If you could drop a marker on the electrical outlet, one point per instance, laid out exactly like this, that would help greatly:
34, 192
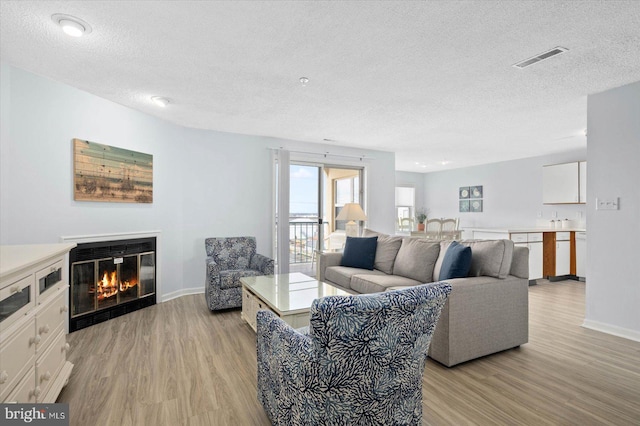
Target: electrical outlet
578, 215
554, 215
607, 203
539, 215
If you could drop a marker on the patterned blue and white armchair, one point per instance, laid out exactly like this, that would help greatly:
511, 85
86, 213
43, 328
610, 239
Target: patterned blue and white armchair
360, 361
228, 260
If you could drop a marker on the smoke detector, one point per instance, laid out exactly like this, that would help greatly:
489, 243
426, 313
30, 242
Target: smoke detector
541, 57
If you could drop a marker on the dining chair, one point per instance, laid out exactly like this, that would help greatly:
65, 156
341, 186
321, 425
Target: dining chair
433, 229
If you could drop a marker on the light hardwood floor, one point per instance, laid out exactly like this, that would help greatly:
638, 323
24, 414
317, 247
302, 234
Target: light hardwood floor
177, 363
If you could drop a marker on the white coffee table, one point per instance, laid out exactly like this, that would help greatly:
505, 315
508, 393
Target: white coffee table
287, 295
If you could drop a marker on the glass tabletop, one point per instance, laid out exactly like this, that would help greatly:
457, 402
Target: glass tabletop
290, 293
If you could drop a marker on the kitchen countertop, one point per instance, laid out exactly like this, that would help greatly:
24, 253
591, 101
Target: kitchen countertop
522, 230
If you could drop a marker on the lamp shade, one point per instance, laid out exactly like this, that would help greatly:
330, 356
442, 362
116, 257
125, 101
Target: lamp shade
351, 211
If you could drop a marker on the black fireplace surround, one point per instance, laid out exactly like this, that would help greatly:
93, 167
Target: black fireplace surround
110, 278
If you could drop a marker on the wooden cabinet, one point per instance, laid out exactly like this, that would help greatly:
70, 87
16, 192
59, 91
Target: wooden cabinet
33, 308
560, 184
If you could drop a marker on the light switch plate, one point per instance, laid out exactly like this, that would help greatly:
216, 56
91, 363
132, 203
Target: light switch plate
607, 203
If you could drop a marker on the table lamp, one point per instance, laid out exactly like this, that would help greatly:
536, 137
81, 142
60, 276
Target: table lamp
351, 212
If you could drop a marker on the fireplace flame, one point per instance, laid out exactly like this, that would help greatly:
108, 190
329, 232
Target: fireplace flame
108, 286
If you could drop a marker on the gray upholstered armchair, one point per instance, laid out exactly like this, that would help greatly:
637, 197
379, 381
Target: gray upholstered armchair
360, 362
229, 259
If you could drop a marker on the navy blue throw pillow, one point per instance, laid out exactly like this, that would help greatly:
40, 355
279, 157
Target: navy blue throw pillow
456, 262
360, 252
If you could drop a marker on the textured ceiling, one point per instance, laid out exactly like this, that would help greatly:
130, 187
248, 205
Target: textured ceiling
431, 81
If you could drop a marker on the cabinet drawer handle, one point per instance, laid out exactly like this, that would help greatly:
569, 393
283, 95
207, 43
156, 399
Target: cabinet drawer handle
44, 329
53, 269
36, 392
45, 376
35, 340
3, 377
64, 308
66, 347
15, 289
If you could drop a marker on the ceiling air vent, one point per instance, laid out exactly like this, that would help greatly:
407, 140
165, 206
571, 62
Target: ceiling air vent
545, 55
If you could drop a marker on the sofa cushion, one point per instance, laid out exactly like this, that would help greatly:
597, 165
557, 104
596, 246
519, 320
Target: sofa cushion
377, 283
386, 251
491, 258
456, 262
359, 252
341, 275
416, 259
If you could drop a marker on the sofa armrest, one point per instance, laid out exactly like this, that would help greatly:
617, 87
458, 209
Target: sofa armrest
262, 263
325, 260
213, 272
520, 262
483, 315
212, 265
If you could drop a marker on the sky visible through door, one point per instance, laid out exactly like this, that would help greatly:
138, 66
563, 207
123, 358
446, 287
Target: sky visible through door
303, 191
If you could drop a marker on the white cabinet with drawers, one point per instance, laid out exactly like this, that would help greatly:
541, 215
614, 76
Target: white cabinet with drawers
33, 309
533, 241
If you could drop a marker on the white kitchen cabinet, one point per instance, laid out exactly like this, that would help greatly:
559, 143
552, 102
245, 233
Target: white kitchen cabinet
535, 260
563, 253
560, 184
486, 235
533, 241
582, 181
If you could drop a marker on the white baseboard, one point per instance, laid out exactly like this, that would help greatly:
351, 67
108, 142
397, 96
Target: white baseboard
183, 292
612, 329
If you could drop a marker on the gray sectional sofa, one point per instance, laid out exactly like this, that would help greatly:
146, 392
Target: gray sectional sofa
487, 312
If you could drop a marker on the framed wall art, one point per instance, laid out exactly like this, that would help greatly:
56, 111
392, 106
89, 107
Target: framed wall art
464, 192
109, 174
464, 206
475, 192
475, 206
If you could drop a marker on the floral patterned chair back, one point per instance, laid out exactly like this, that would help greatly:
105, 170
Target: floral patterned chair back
361, 361
231, 252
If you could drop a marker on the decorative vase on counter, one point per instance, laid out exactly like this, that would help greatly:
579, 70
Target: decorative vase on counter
421, 227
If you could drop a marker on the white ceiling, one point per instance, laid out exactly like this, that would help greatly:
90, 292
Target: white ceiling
429, 80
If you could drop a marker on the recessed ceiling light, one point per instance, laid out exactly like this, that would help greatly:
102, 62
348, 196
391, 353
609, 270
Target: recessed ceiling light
75, 27
160, 101
304, 81
444, 162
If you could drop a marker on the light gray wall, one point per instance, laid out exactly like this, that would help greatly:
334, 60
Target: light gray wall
512, 192
613, 250
206, 183
415, 180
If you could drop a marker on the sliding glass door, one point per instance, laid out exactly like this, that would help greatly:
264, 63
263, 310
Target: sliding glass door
305, 211
317, 193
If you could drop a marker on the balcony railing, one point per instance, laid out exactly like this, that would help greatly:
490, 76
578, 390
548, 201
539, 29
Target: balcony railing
303, 239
